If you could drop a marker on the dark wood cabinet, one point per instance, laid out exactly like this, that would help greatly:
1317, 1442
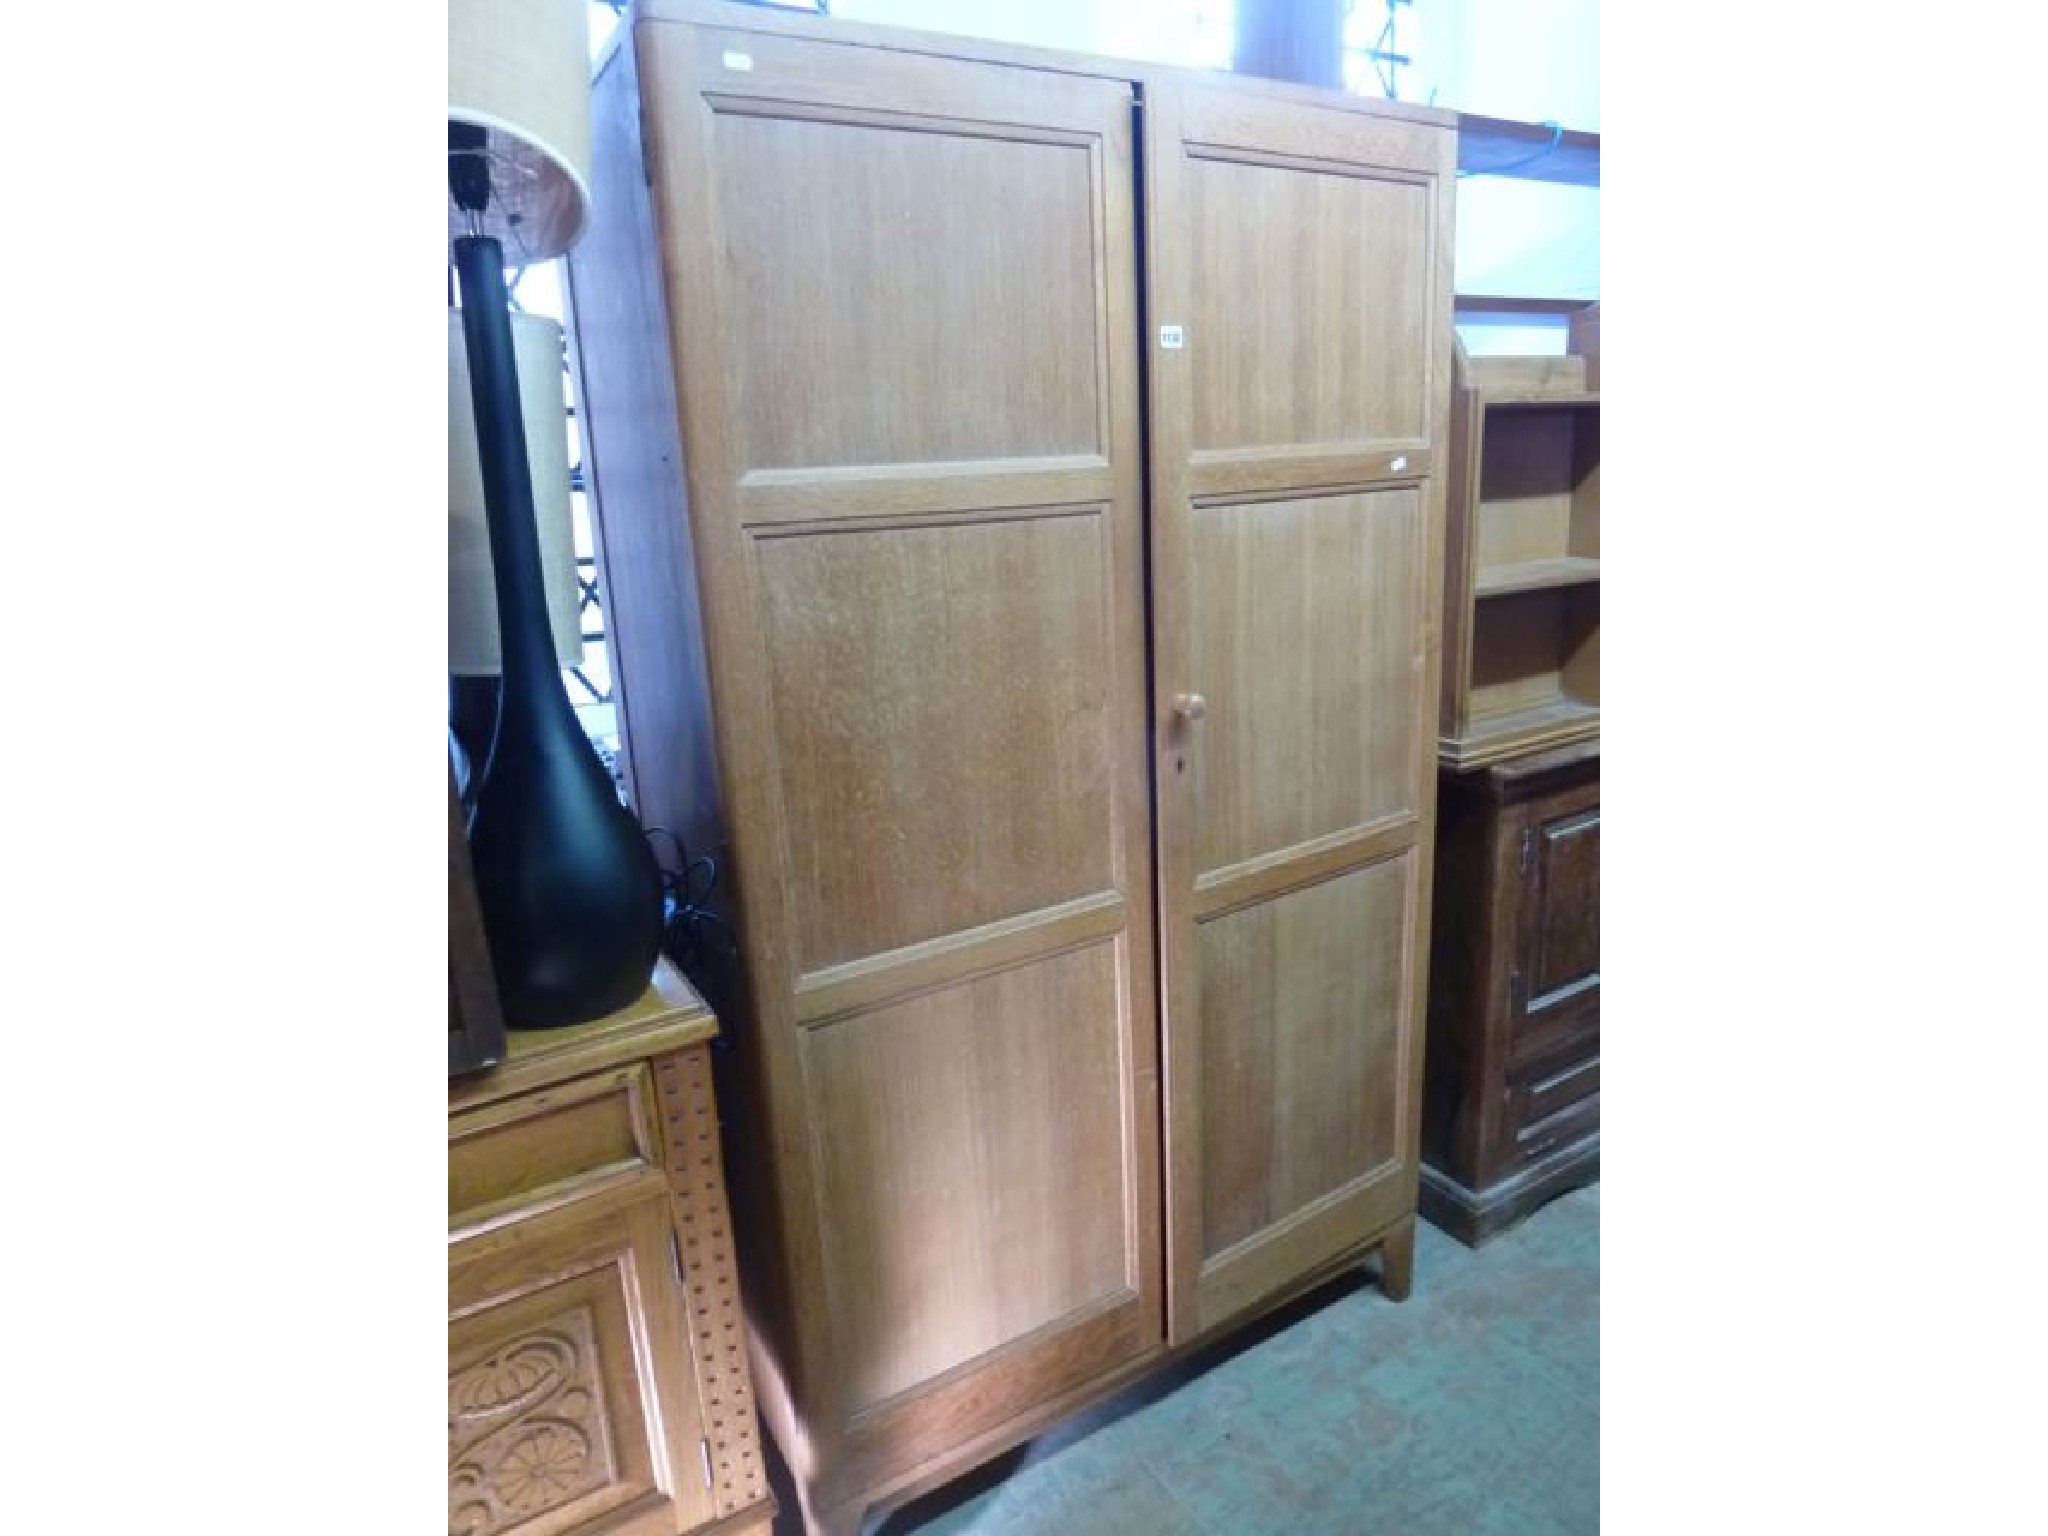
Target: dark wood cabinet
1511, 1108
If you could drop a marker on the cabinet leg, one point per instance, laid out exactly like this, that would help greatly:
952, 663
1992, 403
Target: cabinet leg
1397, 1261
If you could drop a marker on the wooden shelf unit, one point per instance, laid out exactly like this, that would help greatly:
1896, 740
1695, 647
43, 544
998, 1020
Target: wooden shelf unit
1522, 588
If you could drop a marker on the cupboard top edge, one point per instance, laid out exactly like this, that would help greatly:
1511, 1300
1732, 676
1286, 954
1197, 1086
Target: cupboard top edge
729, 15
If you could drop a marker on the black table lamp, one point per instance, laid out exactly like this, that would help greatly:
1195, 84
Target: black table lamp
475, 657
568, 887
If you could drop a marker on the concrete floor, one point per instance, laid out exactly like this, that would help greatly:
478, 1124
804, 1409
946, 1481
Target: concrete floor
1471, 1409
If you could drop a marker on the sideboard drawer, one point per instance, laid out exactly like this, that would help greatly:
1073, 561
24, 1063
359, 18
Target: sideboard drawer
541, 1148
1574, 1122
1556, 1088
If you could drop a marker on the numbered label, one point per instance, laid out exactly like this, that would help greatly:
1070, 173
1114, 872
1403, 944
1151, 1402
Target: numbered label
739, 61
1170, 338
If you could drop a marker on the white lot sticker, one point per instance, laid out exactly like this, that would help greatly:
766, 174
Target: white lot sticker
1170, 337
739, 61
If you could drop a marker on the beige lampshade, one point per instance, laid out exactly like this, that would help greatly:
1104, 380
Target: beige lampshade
520, 70
472, 593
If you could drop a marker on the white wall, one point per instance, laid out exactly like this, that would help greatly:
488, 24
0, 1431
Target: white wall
1534, 61
1527, 239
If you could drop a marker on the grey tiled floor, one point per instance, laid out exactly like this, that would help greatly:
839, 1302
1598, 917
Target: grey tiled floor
1471, 1409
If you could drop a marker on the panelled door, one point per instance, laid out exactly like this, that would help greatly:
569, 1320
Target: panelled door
1299, 286
1554, 988
905, 291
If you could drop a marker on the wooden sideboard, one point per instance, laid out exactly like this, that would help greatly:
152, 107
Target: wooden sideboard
1511, 1103
597, 1371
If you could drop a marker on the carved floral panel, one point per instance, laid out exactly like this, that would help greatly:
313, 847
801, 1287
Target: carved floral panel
527, 1429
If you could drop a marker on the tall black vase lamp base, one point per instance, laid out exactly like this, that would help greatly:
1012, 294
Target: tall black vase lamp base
569, 889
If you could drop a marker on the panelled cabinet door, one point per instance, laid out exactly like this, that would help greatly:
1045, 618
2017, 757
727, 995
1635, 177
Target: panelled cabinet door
570, 1401
1556, 997
1300, 299
909, 392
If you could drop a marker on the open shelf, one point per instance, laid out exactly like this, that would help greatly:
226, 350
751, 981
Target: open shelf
1534, 651
1522, 593
1536, 575
1539, 487
1507, 400
1535, 675
1532, 381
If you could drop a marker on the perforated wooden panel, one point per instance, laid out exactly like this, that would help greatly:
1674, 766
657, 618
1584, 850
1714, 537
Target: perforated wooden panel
710, 1278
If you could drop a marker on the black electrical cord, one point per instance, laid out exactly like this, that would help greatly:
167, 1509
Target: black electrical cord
693, 935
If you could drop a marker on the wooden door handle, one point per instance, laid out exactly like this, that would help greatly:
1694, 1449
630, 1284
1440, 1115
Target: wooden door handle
1190, 706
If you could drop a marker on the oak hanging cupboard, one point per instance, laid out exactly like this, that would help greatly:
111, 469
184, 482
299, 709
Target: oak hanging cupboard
1022, 472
